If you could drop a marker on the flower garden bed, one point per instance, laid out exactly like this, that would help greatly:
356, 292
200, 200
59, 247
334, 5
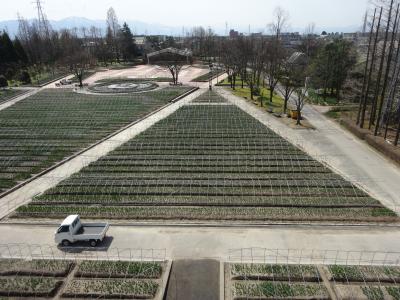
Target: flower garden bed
278, 290
7, 94
124, 269
54, 268
83, 279
364, 274
113, 288
291, 281
53, 124
29, 286
209, 162
123, 87
274, 272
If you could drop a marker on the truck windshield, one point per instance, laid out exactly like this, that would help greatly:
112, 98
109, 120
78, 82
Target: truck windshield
63, 229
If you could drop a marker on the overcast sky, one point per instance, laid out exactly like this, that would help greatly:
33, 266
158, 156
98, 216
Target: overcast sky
258, 13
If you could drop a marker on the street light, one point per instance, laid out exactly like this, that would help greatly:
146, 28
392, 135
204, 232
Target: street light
211, 75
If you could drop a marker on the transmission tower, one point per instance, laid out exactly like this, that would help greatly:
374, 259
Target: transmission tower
365, 23
42, 20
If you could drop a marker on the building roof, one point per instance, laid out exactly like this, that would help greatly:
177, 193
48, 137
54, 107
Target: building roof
297, 58
170, 50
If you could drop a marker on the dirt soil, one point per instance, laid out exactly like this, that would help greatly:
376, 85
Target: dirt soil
193, 280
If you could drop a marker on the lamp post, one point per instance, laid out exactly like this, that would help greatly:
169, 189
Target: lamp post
211, 75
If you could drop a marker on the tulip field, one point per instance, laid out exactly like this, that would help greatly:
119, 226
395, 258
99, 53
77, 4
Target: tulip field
291, 281
80, 279
53, 124
208, 161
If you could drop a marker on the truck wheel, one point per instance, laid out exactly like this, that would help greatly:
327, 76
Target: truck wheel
93, 243
65, 243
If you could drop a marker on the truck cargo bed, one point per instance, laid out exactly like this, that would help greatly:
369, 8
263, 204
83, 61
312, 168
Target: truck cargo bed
87, 229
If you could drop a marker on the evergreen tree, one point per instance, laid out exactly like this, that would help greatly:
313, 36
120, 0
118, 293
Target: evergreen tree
128, 47
8, 51
20, 51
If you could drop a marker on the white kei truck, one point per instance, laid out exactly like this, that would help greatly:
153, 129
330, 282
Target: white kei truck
72, 230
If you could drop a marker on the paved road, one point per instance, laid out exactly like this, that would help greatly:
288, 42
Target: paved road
339, 149
215, 243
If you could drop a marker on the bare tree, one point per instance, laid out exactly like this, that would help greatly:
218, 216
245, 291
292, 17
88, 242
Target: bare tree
172, 59
275, 54
112, 32
300, 100
280, 23
292, 78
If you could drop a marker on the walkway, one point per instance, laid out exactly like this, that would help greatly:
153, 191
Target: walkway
337, 148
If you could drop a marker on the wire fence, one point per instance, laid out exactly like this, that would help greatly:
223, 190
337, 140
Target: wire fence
259, 273
304, 256
80, 272
37, 251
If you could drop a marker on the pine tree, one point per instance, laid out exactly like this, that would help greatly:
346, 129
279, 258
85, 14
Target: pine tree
128, 47
20, 51
8, 51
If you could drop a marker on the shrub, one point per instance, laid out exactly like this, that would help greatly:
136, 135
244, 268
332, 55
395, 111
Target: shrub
9, 74
24, 77
3, 81
256, 91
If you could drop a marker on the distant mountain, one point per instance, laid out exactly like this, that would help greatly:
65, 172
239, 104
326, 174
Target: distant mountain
139, 27
77, 22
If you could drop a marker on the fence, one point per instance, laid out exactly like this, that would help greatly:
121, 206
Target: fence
312, 257
32, 251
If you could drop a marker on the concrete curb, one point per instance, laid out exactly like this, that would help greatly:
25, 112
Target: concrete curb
221, 280
343, 226
44, 172
165, 280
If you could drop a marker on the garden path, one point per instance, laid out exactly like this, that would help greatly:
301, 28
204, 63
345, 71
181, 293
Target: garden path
339, 149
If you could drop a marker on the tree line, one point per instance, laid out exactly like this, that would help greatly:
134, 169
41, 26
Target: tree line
264, 60
37, 47
379, 101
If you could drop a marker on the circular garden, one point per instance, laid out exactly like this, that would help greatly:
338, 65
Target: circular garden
122, 86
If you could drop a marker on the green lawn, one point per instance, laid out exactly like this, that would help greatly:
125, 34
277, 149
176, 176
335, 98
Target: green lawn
315, 98
206, 77
277, 101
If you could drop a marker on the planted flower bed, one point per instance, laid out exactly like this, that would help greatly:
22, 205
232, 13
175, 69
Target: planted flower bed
364, 274
124, 269
209, 162
112, 288
7, 94
278, 290
53, 124
28, 286
274, 272
55, 268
